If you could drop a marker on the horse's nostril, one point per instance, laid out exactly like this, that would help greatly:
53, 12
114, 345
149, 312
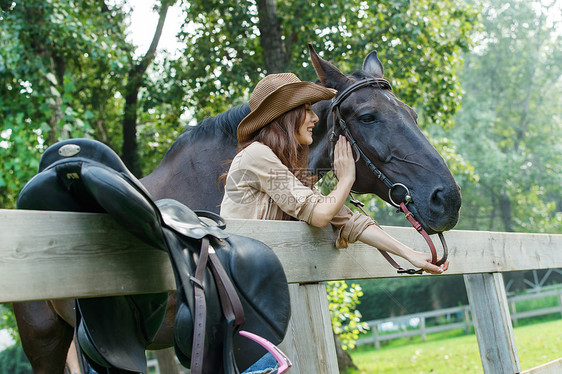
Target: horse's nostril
445, 202
438, 199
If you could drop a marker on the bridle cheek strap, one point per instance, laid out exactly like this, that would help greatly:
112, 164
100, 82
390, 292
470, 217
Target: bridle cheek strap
402, 206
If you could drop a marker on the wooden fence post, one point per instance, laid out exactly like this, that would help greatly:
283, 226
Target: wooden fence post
468, 324
309, 342
492, 323
560, 301
422, 328
375, 330
513, 309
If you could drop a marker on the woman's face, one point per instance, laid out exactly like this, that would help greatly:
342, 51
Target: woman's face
304, 133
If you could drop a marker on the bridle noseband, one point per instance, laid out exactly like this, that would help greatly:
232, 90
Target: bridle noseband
402, 205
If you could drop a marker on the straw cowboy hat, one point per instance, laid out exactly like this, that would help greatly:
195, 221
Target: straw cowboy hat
277, 94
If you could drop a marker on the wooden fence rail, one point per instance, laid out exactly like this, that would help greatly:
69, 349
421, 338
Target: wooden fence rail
465, 321
45, 255
421, 328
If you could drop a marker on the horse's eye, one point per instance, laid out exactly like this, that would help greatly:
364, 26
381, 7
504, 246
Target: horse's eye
367, 119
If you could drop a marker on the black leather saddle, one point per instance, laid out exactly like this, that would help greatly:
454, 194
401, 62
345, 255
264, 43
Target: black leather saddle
225, 282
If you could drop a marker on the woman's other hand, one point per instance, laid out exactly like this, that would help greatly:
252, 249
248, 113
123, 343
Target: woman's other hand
422, 260
344, 164
375, 236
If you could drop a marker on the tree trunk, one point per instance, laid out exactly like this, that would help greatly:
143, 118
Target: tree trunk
58, 67
167, 361
129, 150
56, 64
344, 359
271, 37
506, 213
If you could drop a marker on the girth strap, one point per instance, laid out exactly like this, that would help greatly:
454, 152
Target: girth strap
230, 302
198, 350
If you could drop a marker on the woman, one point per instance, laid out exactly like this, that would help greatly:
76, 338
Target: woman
268, 178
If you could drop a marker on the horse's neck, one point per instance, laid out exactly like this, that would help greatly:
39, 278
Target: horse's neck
191, 167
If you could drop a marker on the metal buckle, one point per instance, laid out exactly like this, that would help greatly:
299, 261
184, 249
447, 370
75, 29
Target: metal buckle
407, 198
410, 271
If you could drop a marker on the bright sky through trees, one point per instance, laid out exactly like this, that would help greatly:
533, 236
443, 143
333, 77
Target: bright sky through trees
143, 23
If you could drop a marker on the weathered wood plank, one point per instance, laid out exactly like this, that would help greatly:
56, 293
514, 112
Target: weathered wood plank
552, 367
56, 255
309, 341
492, 323
61, 254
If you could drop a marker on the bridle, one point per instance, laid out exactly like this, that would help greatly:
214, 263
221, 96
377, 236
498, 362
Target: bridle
401, 205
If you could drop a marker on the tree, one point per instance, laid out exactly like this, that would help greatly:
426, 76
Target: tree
67, 71
134, 83
420, 43
509, 125
13, 361
60, 68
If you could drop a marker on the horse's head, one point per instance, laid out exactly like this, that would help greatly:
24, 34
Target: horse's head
387, 134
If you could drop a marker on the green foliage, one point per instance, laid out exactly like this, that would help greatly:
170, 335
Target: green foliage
508, 128
343, 300
419, 43
8, 321
61, 64
13, 361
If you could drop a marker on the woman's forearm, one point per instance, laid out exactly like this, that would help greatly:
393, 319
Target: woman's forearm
376, 237
328, 206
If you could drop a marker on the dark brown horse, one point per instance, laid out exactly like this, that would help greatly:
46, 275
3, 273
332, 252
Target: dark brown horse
385, 129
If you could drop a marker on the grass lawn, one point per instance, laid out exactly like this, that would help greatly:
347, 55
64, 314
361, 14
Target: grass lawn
442, 354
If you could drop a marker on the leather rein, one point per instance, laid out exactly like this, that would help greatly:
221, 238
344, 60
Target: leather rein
402, 205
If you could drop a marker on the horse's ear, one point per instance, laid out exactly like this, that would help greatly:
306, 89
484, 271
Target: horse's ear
328, 74
373, 65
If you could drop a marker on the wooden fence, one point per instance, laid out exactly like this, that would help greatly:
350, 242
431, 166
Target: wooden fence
461, 319
45, 255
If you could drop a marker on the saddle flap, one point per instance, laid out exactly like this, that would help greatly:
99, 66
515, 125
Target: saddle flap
186, 222
125, 202
259, 280
108, 333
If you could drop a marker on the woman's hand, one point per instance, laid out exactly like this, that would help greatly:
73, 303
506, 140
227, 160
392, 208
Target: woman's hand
344, 164
375, 236
344, 169
423, 261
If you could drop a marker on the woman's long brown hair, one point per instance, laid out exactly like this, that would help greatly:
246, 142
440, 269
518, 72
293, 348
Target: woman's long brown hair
280, 136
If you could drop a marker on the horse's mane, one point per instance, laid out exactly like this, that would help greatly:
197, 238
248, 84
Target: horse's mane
221, 126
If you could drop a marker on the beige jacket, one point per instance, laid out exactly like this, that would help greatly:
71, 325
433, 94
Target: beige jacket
259, 186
